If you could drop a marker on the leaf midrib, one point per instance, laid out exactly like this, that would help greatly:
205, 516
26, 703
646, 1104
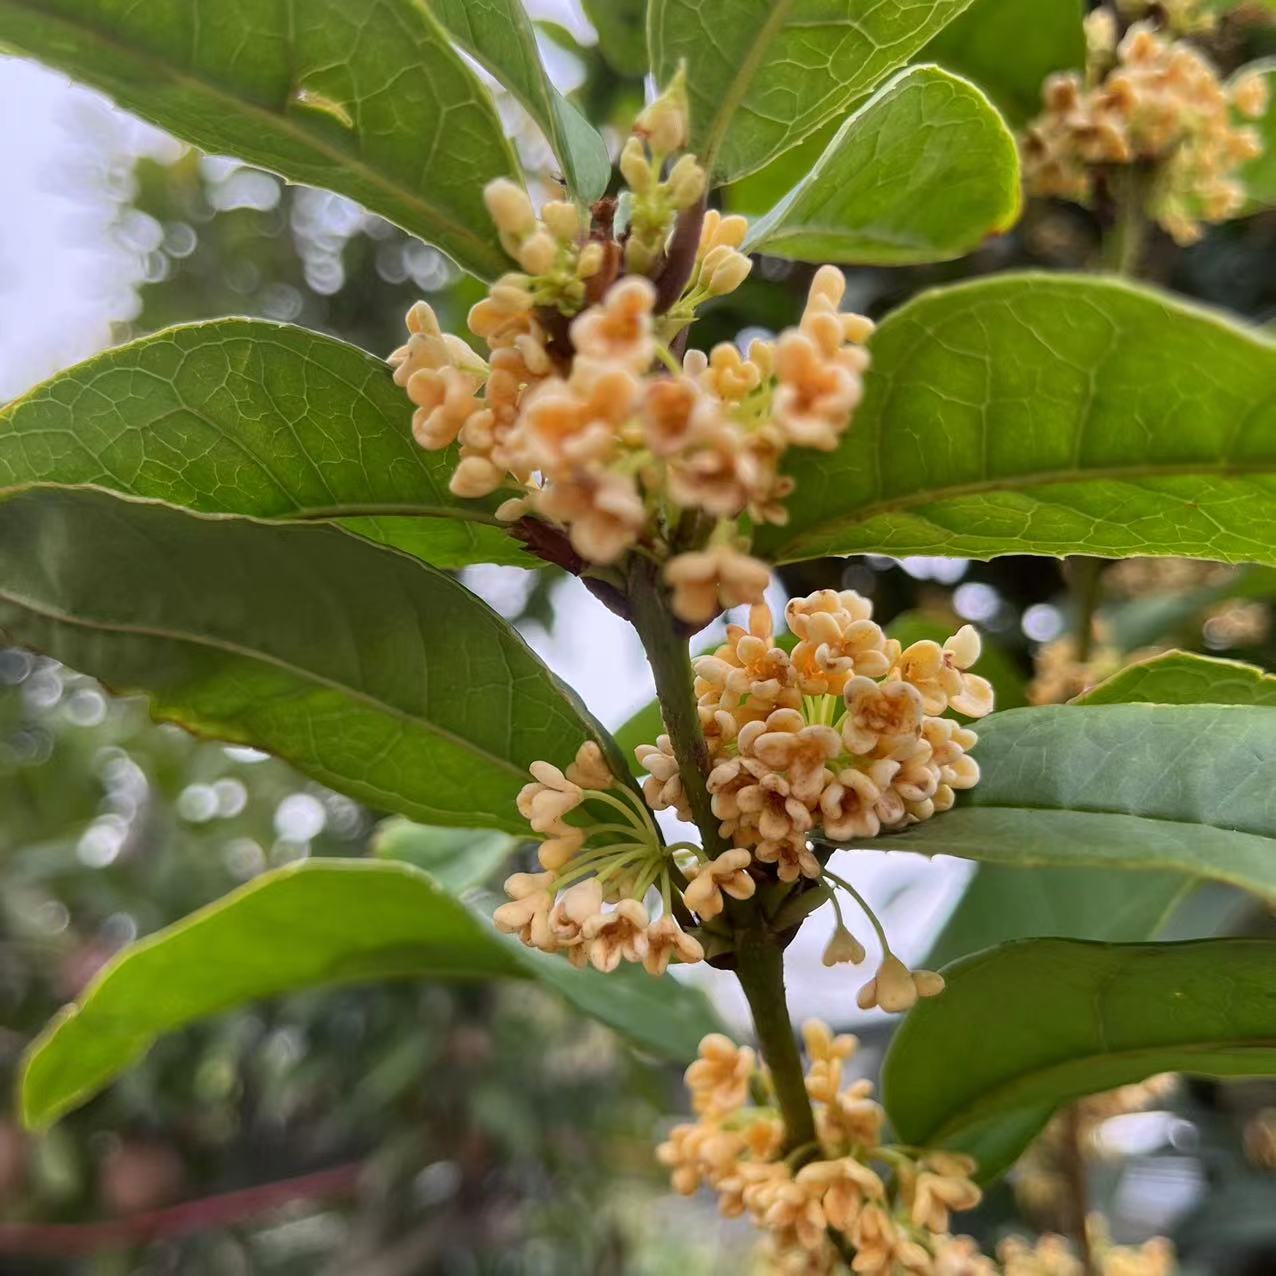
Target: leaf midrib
1014, 483
341, 159
743, 81
987, 1106
1148, 864
248, 653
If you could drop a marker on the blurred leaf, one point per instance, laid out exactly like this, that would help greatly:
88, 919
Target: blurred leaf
1009, 47
370, 101
763, 74
456, 858
622, 36
1039, 1022
1048, 414
242, 416
315, 923
1180, 677
499, 35
1002, 903
664, 1016
374, 673
1151, 618
1187, 788
1259, 175
924, 171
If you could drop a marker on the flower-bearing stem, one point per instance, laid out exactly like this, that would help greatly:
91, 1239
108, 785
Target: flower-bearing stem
759, 956
760, 970
670, 664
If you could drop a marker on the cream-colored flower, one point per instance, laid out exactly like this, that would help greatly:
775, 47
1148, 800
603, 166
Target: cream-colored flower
939, 673
727, 874
618, 330
882, 719
853, 805
844, 1187
663, 786
706, 582
839, 640
548, 798
943, 1183
895, 988
667, 940
618, 935
719, 1078
784, 742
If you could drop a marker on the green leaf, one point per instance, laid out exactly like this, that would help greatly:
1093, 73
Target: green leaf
1003, 903
1048, 414
499, 35
763, 74
1046, 36
622, 35
1180, 677
369, 100
312, 924
1183, 788
1259, 175
241, 416
458, 859
924, 171
1034, 1024
370, 671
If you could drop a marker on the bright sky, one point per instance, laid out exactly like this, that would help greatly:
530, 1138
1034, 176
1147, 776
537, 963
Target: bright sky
65, 157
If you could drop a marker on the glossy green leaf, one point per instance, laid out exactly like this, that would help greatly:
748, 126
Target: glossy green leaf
1138, 787
763, 74
1181, 677
1045, 36
499, 35
369, 100
313, 924
458, 859
1003, 903
242, 416
366, 669
1048, 414
1031, 1025
924, 171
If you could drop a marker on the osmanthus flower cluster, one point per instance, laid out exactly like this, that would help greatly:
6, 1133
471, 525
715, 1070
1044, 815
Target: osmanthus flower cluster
838, 740
890, 1204
1155, 106
835, 741
585, 414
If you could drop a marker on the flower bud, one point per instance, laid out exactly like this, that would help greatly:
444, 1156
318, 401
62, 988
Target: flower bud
730, 274
666, 121
562, 218
538, 253
510, 207
843, 947
590, 261
635, 167
686, 182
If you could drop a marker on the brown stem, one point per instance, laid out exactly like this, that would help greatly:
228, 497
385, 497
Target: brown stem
547, 542
63, 1239
680, 257
1077, 1195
